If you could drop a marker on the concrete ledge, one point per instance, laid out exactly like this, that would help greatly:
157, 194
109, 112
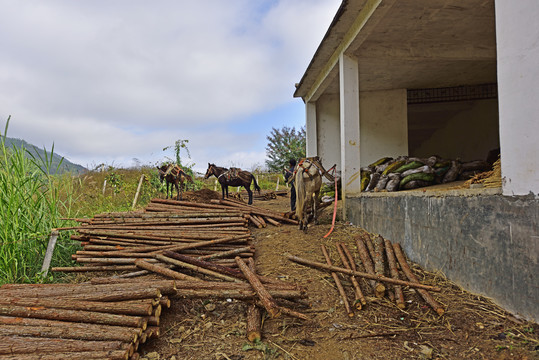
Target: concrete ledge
485, 242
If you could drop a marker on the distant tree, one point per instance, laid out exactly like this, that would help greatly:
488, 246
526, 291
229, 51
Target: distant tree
284, 144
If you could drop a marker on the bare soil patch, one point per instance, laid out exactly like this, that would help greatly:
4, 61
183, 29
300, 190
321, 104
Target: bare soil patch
473, 327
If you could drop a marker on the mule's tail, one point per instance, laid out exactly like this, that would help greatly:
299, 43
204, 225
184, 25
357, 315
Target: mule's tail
257, 188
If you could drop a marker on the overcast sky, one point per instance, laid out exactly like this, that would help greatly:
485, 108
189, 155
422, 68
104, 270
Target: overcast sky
111, 81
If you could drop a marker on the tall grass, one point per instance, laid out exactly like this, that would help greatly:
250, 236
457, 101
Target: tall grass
29, 208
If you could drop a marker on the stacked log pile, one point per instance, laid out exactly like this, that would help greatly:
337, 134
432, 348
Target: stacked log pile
379, 261
405, 173
80, 321
205, 248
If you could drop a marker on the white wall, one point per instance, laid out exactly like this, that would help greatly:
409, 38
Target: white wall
328, 129
383, 124
517, 32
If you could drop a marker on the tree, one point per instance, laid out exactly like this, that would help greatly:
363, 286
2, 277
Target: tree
284, 144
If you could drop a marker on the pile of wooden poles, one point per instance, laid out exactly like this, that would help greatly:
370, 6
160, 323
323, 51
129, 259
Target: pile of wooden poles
379, 262
115, 241
206, 248
87, 321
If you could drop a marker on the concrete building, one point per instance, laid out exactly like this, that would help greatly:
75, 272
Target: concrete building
445, 77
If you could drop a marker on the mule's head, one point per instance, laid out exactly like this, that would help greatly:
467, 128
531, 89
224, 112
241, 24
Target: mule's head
210, 171
162, 170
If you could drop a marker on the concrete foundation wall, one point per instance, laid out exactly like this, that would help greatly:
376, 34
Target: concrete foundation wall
485, 242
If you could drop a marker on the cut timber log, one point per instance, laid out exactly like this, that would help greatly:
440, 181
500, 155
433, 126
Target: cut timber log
254, 315
200, 266
140, 309
338, 283
72, 315
378, 288
325, 267
410, 275
378, 258
360, 299
10, 345
164, 271
391, 261
80, 355
265, 297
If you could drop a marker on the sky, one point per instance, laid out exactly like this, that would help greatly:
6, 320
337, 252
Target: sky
117, 81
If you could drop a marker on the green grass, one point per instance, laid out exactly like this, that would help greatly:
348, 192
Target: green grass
30, 207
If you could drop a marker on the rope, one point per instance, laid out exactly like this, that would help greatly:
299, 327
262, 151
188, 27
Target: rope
335, 206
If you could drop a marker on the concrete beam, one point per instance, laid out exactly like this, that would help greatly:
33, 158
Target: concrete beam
419, 51
311, 130
364, 15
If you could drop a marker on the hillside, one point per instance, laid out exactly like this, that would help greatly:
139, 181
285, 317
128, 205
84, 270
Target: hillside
66, 165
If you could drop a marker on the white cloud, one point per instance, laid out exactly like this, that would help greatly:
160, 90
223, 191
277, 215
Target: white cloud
116, 80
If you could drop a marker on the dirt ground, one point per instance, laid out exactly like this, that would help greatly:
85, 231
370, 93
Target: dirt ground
471, 328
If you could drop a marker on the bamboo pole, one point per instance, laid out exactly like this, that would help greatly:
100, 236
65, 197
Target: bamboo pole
138, 191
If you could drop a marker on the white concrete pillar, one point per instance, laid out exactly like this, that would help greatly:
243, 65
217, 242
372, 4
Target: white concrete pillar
349, 120
518, 94
311, 130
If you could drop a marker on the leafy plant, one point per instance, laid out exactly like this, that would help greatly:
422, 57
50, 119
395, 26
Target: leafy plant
30, 207
284, 144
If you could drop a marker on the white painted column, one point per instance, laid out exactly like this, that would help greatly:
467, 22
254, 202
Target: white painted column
310, 129
349, 120
518, 94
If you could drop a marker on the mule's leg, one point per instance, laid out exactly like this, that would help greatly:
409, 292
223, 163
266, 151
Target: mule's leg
181, 190
168, 184
177, 190
248, 188
223, 190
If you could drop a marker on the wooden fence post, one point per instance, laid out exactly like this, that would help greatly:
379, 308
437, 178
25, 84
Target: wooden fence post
138, 191
48, 253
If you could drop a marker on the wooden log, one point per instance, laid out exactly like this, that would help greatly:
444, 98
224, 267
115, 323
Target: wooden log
164, 271
271, 221
255, 221
357, 290
80, 355
392, 264
338, 283
265, 297
96, 306
72, 315
217, 255
94, 268
410, 275
378, 259
254, 319
260, 219
254, 314
378, 288
40, 290
99, 334
10, 345
243, 294
352, 265
187, 265
325, 267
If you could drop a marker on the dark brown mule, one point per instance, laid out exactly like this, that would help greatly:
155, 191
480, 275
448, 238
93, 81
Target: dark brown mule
232, 177
175, 177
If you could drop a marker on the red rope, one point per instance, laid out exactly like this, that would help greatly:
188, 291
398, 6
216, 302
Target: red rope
334, 207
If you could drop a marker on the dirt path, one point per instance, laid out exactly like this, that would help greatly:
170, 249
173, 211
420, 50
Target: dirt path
471, 328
